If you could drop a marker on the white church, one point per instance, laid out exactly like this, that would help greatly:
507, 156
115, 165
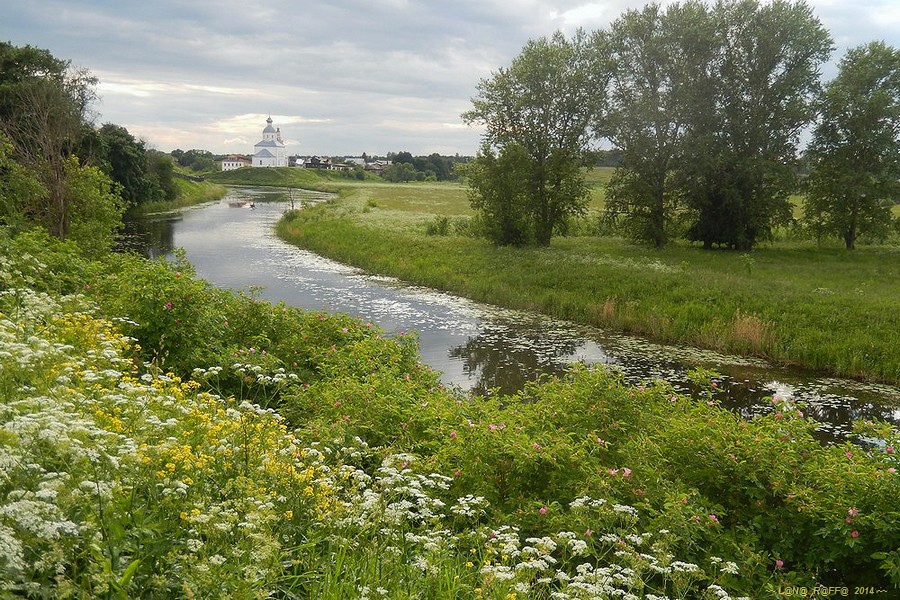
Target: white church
269, 151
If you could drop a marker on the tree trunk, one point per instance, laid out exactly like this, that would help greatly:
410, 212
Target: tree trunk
850, 239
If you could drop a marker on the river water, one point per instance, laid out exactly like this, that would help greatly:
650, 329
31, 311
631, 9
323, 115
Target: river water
478, 348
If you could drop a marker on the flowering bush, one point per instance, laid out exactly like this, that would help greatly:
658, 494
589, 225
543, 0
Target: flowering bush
311, 457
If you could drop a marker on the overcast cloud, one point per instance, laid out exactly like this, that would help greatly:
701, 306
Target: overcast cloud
339, 78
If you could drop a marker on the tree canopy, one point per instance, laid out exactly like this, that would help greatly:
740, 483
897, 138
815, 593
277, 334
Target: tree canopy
855, 151
44, 115
542, 106
704, 103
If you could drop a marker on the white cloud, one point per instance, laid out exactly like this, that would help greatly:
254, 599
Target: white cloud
338, 77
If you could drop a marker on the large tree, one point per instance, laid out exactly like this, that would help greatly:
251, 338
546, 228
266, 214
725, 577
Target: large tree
660, 65
542, 105
125, 160
855, 151
767, 77
44, 107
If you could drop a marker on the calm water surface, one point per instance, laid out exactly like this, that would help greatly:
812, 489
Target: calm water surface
477, 347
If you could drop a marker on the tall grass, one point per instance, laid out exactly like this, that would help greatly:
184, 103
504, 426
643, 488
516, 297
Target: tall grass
795, 302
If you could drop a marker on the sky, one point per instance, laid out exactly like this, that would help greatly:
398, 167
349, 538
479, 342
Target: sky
339, 78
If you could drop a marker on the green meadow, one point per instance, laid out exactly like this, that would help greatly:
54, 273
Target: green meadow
791, 301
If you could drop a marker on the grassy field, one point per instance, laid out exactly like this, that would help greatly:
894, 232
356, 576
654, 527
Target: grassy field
795, 302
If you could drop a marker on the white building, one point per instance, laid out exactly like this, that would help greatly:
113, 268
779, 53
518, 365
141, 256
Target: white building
269, 152
235, 161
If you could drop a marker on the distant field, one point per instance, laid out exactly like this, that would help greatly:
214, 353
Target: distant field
791, 301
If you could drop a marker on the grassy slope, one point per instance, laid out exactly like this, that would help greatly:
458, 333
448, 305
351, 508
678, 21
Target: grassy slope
283, 176
821, 307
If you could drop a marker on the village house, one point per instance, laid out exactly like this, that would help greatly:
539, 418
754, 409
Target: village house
235, 161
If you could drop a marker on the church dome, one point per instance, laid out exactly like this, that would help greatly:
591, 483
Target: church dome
269, 128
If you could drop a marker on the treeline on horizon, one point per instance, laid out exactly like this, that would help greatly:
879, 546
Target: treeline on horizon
705, 104
402, 167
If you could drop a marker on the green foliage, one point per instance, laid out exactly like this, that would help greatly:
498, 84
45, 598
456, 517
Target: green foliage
433, 167
123, 480
174, 317
20, 65
498, 193
19, 189
706, 103
538, 111
197, 160
126, 161
743, 136
400, 173
44, 115
659, 65
855, 152
96, 208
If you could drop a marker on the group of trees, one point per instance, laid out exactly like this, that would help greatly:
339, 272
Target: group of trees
199, 161
434, 167
57, 169
705, 105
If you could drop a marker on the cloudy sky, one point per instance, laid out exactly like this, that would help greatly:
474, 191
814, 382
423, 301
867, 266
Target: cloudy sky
340, 77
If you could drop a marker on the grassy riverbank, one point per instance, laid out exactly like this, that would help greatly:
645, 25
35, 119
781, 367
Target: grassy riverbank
190, 193
792, 302
164, 438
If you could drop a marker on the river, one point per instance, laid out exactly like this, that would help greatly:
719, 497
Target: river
476, 347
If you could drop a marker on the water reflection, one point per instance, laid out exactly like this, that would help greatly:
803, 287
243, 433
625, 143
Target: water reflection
476, 347
504, 356
153, 236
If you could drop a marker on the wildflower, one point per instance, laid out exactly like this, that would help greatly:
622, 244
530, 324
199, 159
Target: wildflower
853, 512
578, 547
889, 449
588, 532
891, 470
536, 446
626, 472
854, 534
543, 510
779, 563
452, 435
168, 306
849, 455
714, 518
457, 473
